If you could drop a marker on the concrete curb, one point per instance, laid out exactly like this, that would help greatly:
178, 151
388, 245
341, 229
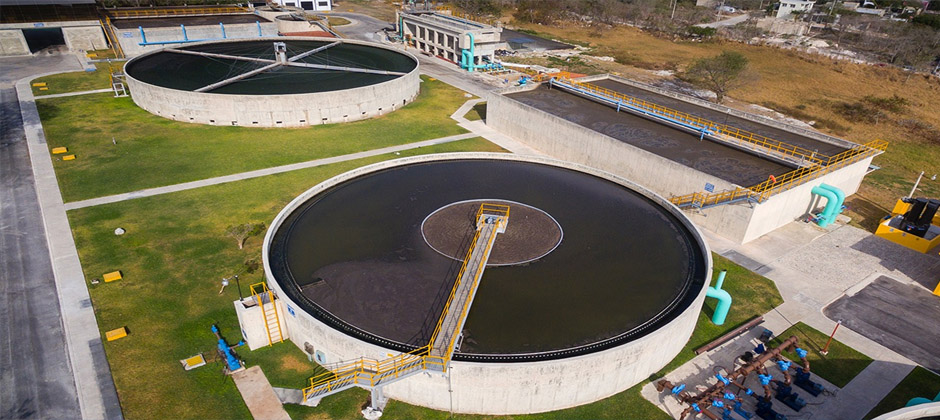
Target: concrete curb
97, 395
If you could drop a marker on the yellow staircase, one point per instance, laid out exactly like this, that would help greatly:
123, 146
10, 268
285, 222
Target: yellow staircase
436, 355
268, 303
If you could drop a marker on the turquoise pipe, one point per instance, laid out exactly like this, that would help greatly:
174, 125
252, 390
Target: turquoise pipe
724, 299
829, 213
840, 196
920, 400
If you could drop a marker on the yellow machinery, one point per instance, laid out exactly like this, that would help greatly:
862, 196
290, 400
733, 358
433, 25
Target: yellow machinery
920, 231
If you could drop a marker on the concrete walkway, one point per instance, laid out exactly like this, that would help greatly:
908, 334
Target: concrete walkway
260, 172
258, 394
87, 92
811, 268
96, 393
481, 129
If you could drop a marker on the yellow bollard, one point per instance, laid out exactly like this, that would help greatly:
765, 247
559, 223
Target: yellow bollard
68, 157
59, 150
112, 276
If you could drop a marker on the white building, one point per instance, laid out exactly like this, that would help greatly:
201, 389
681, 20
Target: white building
471, 45
310, 5
789, 7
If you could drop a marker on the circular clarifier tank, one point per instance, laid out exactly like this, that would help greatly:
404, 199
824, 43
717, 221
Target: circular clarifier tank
593, 275
282, 81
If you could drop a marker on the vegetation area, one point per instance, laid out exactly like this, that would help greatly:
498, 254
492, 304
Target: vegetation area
754, 295
477, 113
919, 383
173, 256
79, 81
337, 21
150, 151
839, 366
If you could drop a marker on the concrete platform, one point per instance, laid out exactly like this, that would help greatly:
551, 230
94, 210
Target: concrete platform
259, 396
899, 316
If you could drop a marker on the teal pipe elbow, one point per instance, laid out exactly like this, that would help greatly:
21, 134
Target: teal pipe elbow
724, 299
840, 196
829, 213
921, 400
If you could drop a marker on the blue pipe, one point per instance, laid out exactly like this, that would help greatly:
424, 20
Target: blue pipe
703, 130
921, 400
724, 299
143, 36
840, 196
221, 25
829, 213
230, 360
185, 38
259, 28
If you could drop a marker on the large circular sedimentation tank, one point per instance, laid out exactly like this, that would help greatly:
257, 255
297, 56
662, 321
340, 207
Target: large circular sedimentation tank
273, 82
595, 284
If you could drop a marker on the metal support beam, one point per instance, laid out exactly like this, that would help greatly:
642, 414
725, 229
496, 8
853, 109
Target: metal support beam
313, 51
234, 79
214, 55
340, 68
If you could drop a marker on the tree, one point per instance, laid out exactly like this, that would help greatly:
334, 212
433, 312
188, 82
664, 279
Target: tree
718, 74
242, 232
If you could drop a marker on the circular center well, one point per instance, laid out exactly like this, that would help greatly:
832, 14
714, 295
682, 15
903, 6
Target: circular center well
531, 233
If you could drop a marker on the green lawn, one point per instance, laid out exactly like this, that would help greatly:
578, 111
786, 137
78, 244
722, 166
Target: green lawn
919, 383
477, 113
838, 367
152, 151
173, 256
78, 81
753, 295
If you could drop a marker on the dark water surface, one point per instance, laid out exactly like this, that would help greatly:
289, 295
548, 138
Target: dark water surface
356, 257
725, 162
190, 72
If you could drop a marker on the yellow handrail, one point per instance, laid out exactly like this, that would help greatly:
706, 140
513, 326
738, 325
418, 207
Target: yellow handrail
747, 137
183, 11
372, 371
765, 189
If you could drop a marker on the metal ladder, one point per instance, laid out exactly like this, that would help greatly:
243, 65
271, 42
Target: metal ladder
268, 303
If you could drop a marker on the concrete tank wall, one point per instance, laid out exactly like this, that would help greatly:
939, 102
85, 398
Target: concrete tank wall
130, 39
12, 42
285, 25
566, 140
88, 38
296, 110
502, 388
792, 204
739, 222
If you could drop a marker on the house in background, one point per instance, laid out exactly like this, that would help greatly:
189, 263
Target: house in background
789, 7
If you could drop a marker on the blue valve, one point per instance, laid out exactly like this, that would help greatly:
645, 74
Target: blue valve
765, 379
802, 353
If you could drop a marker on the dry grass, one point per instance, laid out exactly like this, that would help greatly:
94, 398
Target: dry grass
814, 85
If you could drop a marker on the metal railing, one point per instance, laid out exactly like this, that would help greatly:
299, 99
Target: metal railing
371, 372
259, 291
111, 38
180, 11
502, 211
722, 131
774, 185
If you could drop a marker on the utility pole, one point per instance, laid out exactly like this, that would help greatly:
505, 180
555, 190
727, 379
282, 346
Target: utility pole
674, 4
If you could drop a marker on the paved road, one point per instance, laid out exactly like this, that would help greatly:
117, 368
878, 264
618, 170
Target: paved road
35, 373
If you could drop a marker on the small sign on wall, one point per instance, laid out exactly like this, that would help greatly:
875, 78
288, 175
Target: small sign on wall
127, 34
709, 187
